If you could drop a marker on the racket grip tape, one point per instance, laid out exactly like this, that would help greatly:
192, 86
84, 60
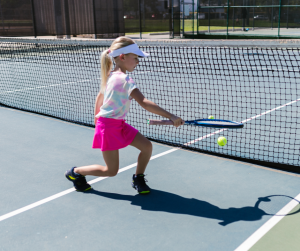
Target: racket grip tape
159, 122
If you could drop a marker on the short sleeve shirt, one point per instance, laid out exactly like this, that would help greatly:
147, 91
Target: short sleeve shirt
116, 102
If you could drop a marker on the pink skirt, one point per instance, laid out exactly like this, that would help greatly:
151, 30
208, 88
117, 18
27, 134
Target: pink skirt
113, 134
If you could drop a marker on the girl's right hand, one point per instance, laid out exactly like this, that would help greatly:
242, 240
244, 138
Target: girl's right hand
177, 120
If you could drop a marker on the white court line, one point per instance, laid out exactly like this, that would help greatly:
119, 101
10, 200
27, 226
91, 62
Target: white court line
46, 86
258, 234
53, 197
58, 195
264, 113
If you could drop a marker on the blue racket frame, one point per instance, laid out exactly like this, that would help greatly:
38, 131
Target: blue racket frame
233, 125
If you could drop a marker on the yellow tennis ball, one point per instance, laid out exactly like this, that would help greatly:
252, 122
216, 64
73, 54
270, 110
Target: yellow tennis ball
222, 141
211, 117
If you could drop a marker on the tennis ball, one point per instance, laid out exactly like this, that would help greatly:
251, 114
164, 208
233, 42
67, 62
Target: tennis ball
222, 141
211, 117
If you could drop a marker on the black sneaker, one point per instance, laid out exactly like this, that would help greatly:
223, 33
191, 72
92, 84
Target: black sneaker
139, 184
78, 180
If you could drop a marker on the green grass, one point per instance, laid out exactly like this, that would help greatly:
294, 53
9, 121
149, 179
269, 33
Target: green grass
221, 24
147, 25
188, 26
157, 26
137, 33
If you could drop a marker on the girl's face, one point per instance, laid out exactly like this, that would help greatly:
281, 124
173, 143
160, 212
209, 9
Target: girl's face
130, 61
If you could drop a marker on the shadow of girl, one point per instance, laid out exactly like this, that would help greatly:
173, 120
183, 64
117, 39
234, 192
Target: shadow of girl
172, 203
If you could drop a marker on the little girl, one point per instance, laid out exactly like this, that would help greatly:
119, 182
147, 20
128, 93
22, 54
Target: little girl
112, 105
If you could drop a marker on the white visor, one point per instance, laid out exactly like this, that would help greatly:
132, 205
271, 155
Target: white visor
133, 48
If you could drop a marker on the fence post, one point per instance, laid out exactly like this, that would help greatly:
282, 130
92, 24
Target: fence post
176, 17
287, 15
95, 23
227, 18
194, 18
272, 16
140, 14
33, 18
208, 16
233, 16
183, 13
279, 18
198, 9
58, 18
2, 18
171, 19
67, 19
254, 14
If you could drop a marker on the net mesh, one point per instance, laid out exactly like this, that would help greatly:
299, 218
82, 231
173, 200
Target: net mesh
256, 86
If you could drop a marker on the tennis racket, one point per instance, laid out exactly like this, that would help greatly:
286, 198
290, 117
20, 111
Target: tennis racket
215, 123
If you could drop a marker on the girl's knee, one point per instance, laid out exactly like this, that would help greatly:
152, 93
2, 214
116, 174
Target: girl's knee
148, 146
112, 172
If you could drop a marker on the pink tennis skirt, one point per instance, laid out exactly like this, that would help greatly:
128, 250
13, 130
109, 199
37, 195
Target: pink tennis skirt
113, 134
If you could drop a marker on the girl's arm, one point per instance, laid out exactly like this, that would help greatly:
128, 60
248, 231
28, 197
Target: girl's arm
98, 104
154, 108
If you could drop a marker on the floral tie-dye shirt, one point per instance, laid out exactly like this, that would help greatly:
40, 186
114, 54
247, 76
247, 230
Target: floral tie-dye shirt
116, 102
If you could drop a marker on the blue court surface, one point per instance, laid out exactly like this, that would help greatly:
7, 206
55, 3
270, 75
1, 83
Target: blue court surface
198, 201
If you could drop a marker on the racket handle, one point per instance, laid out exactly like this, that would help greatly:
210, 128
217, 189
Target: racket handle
160, 122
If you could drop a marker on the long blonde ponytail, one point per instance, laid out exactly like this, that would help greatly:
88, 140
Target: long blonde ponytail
106, 66
107, 63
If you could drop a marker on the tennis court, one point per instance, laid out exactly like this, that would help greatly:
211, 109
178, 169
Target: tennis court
199, 201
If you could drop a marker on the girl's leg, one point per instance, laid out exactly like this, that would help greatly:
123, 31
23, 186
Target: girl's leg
111, 159
145, 146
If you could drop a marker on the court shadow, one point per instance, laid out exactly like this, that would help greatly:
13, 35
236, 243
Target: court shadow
172, 203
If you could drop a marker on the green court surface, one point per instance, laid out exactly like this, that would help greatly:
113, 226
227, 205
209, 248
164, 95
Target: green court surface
283, 236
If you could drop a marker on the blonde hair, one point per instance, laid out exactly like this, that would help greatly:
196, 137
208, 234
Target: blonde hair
106, 61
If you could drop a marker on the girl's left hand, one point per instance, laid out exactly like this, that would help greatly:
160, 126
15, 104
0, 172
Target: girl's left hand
177, 120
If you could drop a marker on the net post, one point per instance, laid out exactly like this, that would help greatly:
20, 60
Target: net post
33, 18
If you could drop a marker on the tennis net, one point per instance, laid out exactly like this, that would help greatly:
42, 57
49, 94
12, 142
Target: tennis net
253, 82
